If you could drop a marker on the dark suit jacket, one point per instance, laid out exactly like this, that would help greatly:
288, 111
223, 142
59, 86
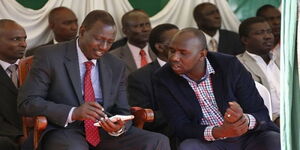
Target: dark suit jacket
140, 93
10, 120
53, 85
231, 82
32, 51
124, 54
230, 43
119, 43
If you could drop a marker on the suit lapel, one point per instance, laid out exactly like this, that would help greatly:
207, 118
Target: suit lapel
6, 81
106, 81
151, 54
72, 66
126, 55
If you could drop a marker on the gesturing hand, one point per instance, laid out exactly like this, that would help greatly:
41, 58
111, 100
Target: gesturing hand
88, 110
233, 113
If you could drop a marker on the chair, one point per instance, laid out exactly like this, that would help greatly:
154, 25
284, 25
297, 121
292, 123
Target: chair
265, 94
39, 123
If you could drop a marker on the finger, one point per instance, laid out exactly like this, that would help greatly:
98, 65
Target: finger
96, 105
235, 106
98, 111
233, 114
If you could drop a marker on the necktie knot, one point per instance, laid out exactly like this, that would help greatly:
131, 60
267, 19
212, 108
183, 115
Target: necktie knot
88, 65
12, 69
143, 58
213, 45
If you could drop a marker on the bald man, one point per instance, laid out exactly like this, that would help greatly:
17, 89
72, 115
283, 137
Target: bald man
210, 99
12, 47
63, 23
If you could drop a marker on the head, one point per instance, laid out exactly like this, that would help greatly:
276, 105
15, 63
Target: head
160, 38
63, 23
207, 17
273, 16
256, 34
12, 41
188, 52
136, 27
96, 34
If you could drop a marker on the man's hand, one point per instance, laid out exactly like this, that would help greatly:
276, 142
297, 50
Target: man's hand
110, 126
228, 129
233, 113
89, 111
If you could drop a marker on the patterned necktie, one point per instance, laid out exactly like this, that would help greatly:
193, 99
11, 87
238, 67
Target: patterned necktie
12, 69
213, 45
143, 58
91, 132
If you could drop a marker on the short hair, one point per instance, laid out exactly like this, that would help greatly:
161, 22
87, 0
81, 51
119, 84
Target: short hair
156, 35
198, 8
97, 15
54, 11
127, 15
197, 33
262, 9
244, 28
3, 23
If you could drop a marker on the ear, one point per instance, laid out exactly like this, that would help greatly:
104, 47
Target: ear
159, 47
244, 40
81, 31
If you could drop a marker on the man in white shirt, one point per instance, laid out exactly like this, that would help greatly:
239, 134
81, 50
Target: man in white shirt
12, 48
256, 34
208, 19
136, 53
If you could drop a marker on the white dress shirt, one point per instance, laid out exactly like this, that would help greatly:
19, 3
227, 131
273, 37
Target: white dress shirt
135, 51
272, 73
5, 65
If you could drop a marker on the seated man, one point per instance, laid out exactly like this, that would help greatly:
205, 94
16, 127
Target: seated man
12, 48
208, 19
210, 99
63, 23
256, 35
136, 52
75, 84
140, 89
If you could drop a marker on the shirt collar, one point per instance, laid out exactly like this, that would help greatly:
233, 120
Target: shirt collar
256, 57
54, 41
81, 57
216, 37
137, 49
5, 65
161, 62
209, 70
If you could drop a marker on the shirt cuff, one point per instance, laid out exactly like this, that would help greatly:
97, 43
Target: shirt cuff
208, 133
69, 120
251, 120
118, 133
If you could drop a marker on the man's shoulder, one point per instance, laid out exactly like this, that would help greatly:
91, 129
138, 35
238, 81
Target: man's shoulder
118, 51
148, 70
228, 33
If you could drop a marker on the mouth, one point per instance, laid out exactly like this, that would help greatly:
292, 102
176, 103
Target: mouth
269, 44
176, 68
99, 53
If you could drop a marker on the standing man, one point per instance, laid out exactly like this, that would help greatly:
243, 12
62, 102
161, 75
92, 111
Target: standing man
75, 84
12, 48
256, 35
63, 23
208, 19
140, 89
136, 53
273, 17
210, 99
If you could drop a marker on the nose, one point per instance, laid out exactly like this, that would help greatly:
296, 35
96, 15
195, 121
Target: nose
174, 57
23, 43
74, 26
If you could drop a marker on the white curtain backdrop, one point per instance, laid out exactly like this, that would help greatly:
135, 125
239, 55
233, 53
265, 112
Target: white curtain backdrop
178, 12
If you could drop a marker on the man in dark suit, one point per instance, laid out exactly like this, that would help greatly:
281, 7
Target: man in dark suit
208, 20
75, 84
137, 27
12, 48
140, 90
210, 99
63, 23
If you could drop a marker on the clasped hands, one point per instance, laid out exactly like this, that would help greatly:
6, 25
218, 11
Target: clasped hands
235, 123
94, 111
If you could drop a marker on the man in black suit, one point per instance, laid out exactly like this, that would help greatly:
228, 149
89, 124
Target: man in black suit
12, 48
140, 90
208, 20
77, 83
210, 99
63, 23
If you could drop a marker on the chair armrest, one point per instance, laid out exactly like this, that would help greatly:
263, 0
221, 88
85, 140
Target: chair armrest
40, 124
141, 115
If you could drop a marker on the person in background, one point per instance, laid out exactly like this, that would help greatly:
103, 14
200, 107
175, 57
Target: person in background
64, 24
208, 19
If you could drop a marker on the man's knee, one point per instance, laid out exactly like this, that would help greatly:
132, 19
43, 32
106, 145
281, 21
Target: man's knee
268, 140
189, 144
